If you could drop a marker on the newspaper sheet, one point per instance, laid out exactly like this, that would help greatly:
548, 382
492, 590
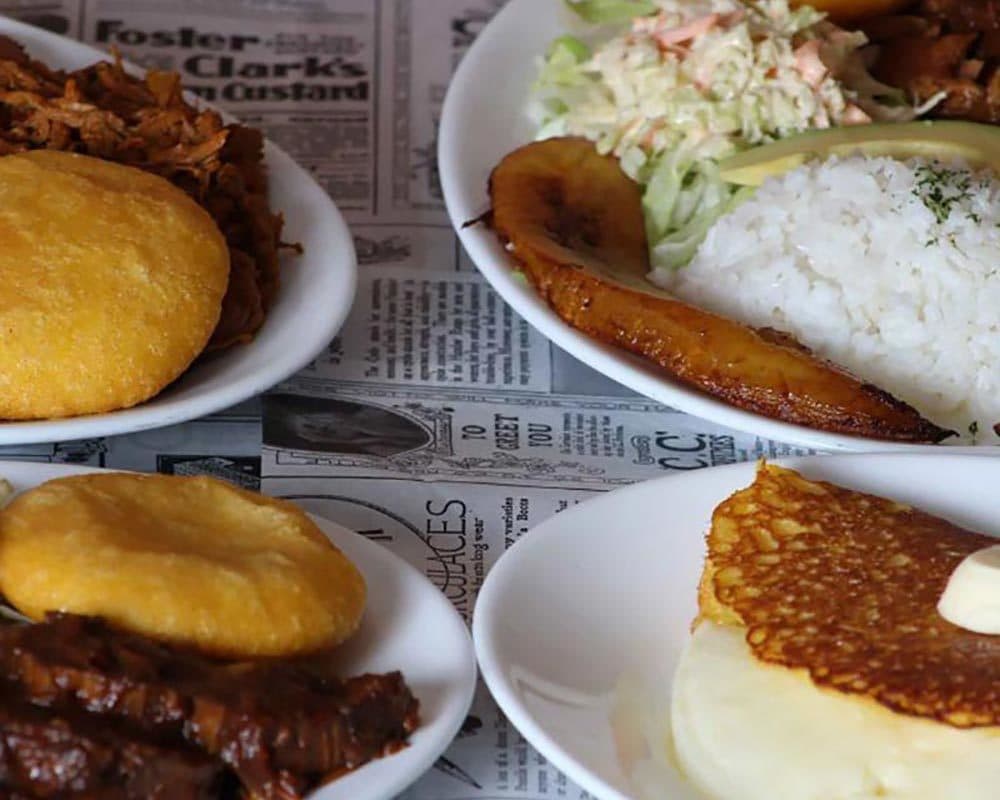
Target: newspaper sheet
438, 423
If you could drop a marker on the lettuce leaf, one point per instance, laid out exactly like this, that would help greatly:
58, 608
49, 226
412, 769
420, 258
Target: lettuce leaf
602, 12
568, 49
683, 198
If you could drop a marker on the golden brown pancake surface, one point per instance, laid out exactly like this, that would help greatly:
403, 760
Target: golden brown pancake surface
846, 585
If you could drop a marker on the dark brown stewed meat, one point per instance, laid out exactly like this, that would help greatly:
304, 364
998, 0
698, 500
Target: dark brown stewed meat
281, 728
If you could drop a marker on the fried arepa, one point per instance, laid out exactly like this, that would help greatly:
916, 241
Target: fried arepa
103, 111
845, 585
191, 561
113, 281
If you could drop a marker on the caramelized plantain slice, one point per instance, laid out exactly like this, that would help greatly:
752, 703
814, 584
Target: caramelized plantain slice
574, 222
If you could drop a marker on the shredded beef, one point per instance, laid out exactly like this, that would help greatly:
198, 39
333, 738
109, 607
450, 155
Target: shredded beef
103, 111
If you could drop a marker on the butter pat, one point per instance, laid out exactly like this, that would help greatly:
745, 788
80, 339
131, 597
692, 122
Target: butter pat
971, 599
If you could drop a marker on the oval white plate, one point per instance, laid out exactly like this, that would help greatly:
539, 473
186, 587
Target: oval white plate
408, 626
585, 617
317, 290
484, 119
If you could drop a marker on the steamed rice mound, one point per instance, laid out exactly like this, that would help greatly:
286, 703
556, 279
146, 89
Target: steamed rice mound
888, 268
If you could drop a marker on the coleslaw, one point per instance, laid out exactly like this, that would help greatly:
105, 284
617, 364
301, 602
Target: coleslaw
684, 83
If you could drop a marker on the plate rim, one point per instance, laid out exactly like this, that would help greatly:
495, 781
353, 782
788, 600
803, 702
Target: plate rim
442, 737
157, 412
486, 616
496, 266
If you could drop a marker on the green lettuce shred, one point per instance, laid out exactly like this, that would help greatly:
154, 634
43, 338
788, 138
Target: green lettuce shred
561, 82
605, 12
682, 200
568, 50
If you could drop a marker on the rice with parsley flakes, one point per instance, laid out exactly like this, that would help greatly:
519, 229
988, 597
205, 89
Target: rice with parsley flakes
888, 268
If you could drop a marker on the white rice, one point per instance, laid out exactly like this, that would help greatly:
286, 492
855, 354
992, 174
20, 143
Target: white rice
848, 257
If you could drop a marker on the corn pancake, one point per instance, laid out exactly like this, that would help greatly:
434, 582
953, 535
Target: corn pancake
113, 281
845, 585
190, 561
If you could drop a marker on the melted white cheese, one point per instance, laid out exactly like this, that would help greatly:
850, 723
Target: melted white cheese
745, 730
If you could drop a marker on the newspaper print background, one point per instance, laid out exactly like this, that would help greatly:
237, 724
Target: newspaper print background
438, 423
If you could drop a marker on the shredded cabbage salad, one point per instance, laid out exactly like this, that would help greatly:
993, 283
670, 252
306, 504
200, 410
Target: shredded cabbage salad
685, 83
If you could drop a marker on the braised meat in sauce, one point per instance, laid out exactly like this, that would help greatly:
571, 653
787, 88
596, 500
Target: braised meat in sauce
90, 711
943, 46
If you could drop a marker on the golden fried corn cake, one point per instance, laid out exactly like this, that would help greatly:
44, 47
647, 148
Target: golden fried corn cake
113, 280
819, 667
195, 562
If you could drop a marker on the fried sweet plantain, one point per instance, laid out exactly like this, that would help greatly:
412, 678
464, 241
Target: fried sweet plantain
573, 221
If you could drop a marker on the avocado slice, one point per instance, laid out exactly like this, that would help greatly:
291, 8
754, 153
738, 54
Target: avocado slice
977, 145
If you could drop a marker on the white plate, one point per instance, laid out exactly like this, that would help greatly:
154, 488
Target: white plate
587, 614
484, 119
408, 626
316, 293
